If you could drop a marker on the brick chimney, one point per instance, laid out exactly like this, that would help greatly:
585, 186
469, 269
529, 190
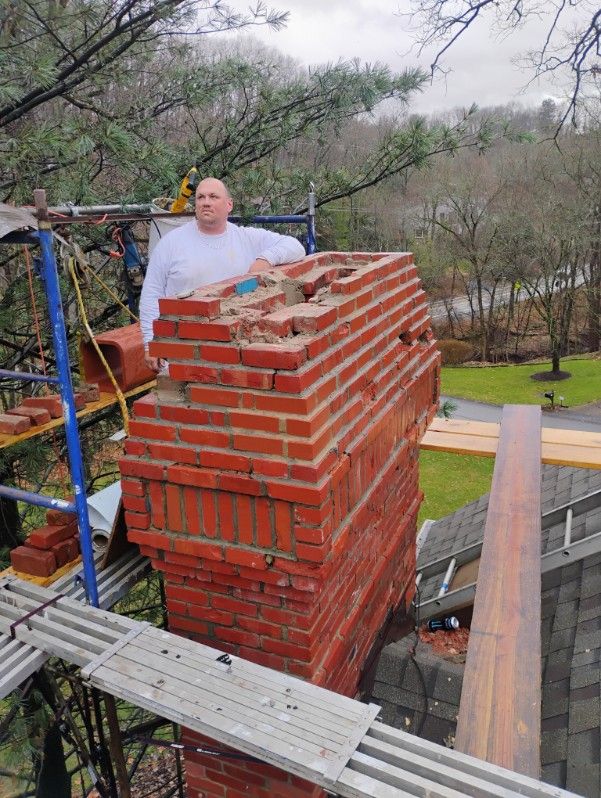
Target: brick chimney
274, 479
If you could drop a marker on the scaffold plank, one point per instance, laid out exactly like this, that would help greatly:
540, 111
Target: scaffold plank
559, 446
113, 583
309, 731
499, 711
106, 400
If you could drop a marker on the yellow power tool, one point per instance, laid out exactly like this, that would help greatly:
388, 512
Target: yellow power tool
186, 189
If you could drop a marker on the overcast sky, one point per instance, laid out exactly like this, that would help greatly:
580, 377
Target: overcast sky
482, 63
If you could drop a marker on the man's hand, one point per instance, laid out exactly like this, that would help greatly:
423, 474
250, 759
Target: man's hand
154, 363
259, 265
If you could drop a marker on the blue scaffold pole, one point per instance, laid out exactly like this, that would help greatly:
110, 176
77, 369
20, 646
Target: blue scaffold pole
59, 337
311, 239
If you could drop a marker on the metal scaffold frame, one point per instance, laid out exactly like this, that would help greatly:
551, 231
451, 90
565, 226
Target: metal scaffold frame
44, 238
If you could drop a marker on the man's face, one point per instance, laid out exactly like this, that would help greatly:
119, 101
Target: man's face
213, 206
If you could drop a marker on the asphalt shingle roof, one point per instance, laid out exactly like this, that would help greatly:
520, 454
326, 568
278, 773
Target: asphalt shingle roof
571, 644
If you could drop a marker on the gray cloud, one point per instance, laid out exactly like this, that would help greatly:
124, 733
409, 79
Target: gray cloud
483, 65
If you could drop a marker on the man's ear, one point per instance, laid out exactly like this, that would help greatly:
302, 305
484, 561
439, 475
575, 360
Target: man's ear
230, 203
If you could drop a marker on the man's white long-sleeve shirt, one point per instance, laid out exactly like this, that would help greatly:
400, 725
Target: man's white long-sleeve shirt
186, 259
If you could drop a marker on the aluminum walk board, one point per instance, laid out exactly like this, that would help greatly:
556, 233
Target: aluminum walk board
18, 660
311, 732
564, 555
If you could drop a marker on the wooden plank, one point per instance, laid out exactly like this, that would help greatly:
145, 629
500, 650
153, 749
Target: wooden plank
499, 713
478, 445
553, 435
559, 446
106, 399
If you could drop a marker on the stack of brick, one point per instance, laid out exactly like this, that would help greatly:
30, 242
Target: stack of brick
49, 547
275, 484
37, 410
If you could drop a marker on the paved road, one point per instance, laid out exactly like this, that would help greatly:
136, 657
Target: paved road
462, 308
586, 419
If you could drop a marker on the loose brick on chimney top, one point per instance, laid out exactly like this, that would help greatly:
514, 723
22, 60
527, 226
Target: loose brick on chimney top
280, 497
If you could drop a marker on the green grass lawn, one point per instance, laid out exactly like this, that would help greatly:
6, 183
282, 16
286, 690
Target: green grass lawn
451, 480
512, 384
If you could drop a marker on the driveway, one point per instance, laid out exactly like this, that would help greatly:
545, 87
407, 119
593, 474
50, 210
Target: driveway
586, 418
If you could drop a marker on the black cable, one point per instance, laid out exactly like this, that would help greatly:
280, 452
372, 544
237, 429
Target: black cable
412, 651
196, 750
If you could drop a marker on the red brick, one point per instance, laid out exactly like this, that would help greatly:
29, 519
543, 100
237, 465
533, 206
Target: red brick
176, 454
245, 519
183, 415
33, 561
258, 443
248, 378
216, 353
36, 415
47, 536
237, 636
137, 520
186, 475
282, 512
274, 356
250, 559
223, 460
204, 437
146, 406
300, 380
90, 392
198, 549
60, 518
134, 447
302, 494
51, 402
163, 327
234, 483
208, 331
172, 350
66, 551
263, 523
209, 307
270, 468
13, 425
221, 397
192, 372
258, 421
153, 431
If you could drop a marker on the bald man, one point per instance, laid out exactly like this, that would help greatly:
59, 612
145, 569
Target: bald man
206, 250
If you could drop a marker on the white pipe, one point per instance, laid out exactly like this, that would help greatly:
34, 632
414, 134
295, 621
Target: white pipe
447, 578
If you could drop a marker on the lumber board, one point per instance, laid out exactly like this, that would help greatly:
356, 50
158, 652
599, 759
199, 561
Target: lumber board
106, 399
499, 712
559, 446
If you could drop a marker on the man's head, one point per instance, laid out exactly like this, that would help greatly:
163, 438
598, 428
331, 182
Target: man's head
213, 205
